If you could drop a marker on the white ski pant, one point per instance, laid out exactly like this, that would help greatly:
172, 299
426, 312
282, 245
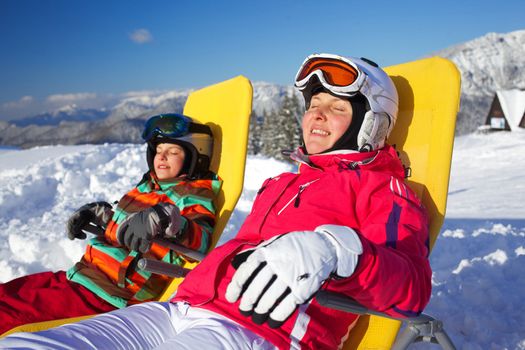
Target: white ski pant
152, 325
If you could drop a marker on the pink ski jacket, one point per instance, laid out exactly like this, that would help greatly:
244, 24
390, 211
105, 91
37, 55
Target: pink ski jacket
364, 191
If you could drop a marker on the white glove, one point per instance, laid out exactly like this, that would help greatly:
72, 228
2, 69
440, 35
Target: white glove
275, 277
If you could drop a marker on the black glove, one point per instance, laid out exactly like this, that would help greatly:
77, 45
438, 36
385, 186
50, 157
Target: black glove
92, 217
137, 230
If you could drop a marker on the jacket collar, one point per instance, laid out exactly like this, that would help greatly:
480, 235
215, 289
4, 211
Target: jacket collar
384, 159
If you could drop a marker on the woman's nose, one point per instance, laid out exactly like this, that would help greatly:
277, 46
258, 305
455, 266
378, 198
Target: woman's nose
321, 114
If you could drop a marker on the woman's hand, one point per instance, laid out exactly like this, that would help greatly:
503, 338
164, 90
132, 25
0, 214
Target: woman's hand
275, 277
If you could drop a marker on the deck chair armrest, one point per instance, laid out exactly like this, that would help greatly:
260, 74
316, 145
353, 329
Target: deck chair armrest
344, 303
165, 268
162, 268
340, 302
187, 253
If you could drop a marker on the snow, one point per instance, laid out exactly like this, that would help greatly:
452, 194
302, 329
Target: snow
488, 176
478, 283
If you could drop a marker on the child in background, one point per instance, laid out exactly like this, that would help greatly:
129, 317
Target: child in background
174, 200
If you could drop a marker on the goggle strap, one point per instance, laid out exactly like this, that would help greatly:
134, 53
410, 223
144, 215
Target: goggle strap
199, 129
192, 129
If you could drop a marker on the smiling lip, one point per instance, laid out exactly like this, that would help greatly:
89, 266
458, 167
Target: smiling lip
319, 132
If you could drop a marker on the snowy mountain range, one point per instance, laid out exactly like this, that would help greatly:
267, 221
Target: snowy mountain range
120, 124
68, 113
487, 64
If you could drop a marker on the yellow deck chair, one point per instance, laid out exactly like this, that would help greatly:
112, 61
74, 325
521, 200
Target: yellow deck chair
424, 134
429, 91
226, 108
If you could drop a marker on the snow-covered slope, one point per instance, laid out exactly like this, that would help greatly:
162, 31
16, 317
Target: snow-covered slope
492, 62
40, 189
478, 283
488, 176
268, 97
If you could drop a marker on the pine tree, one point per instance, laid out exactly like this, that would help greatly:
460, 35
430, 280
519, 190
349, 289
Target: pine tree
295, 108
267, 134
254, 139
281, 130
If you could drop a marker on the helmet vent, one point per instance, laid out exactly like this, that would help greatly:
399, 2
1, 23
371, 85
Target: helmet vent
370, 62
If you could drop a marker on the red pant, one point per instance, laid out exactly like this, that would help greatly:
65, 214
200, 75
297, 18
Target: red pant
46, 296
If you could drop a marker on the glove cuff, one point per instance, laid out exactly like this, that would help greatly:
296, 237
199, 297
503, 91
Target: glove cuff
103, 212
347, 245
169, 219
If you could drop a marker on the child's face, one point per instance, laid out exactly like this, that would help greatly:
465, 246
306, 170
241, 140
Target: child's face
168, 161
325, 122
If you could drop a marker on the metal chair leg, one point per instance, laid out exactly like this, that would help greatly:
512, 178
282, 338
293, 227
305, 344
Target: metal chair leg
430, 331
422, 328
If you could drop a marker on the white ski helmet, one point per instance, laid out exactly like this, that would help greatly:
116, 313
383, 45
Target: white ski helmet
348, 77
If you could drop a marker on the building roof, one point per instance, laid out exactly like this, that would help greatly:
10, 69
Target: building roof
513, 105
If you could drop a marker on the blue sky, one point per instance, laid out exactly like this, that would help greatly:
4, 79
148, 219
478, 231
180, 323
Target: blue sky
88, 49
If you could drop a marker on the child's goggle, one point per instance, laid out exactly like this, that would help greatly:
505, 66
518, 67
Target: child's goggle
169, 125
337, 74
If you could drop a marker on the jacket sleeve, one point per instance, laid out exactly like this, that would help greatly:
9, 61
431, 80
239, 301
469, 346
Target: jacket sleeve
393, 273
198, 216
195, 202
197, 227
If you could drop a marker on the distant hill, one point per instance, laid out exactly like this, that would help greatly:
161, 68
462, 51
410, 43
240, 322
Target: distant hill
121, 123
69, 113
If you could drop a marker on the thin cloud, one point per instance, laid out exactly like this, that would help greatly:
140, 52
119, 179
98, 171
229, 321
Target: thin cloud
141, 36
141, 93
29, 106
21, 103
70, 98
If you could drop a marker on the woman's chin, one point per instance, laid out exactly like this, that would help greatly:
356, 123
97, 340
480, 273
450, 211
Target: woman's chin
316, 149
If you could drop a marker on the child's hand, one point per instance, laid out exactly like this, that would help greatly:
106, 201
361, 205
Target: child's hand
92, 218
137, 230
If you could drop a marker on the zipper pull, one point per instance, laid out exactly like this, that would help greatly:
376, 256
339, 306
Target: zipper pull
298, 198
301, 189
263, 187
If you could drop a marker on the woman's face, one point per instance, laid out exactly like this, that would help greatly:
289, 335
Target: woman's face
168, 161
325, 122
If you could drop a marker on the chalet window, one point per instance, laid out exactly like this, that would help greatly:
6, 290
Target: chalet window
497, 123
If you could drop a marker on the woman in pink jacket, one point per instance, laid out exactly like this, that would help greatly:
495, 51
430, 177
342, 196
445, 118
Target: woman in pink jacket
346, 222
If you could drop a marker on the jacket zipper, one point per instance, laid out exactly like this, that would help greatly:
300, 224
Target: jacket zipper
265, 184
297, 198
